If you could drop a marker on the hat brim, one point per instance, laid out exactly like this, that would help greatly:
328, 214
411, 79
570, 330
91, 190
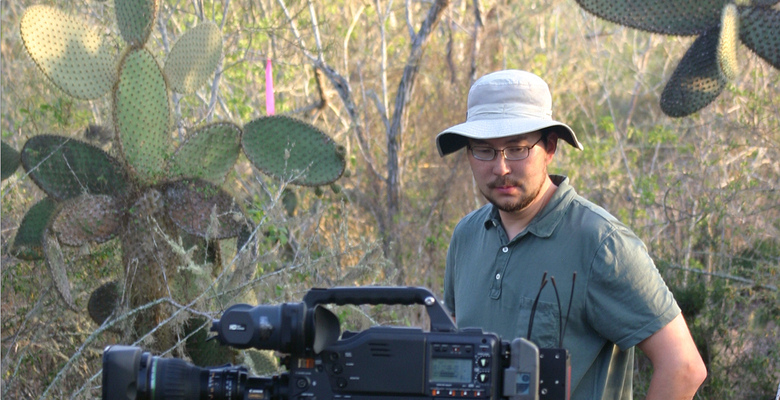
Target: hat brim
456, 137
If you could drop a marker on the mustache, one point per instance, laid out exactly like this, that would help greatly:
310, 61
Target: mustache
503, 181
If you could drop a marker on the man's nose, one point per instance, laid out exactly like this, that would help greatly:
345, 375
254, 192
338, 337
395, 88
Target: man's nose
500, 165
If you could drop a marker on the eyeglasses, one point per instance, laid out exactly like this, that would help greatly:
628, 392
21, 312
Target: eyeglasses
511, 153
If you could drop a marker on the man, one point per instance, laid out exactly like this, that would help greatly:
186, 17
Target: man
536, 224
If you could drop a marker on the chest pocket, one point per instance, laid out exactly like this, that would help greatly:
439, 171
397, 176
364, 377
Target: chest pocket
545, 329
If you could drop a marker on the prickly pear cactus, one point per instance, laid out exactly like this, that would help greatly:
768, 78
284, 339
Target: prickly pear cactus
288, 148
164, 204
10, 161
711, 61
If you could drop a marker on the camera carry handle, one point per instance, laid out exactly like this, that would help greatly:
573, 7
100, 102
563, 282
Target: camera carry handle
408, 295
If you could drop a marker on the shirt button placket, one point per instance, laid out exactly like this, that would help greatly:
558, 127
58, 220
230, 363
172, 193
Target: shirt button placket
501, 261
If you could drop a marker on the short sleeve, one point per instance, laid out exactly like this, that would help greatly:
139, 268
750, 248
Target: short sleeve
627, 299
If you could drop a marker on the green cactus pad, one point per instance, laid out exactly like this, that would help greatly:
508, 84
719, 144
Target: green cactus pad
697, 80
194, 58
103, 301
727, 42
293, 151
759, 30
208, 154
28, 243
206, 353
669, 17
142, 115
262, 362
136, 19
203, 209
289, 201
75, 58
55, 261
87, 218
64, 167
10, 159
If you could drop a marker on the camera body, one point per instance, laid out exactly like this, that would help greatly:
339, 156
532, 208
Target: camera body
401, 362
379, 363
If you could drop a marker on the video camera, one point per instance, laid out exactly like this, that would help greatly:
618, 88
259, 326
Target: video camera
379, 363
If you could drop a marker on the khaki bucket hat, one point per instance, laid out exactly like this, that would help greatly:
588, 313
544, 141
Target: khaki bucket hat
501, 104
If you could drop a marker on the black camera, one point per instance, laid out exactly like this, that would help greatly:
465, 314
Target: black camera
379, 363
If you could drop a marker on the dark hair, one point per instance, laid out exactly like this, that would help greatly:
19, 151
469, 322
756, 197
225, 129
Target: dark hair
546, 134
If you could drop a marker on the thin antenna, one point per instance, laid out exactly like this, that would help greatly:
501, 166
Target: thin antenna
536, 302
568, 311
560, 313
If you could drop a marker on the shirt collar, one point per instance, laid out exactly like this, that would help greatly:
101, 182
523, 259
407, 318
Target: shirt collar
544, 223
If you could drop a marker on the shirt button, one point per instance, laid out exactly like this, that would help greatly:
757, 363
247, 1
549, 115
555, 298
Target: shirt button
505, 249
498, 276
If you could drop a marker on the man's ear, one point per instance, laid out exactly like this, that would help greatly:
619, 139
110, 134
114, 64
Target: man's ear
552, 142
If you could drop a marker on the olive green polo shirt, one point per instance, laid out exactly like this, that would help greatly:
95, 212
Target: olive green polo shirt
619, 297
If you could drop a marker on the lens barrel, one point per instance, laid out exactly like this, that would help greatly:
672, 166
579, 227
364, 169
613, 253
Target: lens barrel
129, 373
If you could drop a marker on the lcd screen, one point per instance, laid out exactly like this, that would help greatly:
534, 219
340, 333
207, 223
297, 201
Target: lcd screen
451, 370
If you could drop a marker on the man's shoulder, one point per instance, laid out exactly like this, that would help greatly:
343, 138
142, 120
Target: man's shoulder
589, 216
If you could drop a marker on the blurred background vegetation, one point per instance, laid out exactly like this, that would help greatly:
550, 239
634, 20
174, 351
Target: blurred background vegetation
702, 191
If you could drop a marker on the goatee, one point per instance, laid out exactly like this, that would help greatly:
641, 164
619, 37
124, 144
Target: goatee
521, 203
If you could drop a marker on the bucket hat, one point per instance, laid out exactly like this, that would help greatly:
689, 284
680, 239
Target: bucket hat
501, 104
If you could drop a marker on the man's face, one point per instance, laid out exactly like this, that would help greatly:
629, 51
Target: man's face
512, 185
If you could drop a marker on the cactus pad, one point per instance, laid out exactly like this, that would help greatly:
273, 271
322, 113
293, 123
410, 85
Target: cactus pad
293, 151
142, 114
759, 30
669, 17
697, 80
262, 362
727, 42
10, 160
64, 167
203, 209
290, 201
28, 243
135, 19
206, 353
87, 218
208, 154
103, 301
55, 261
75, 58
194, 58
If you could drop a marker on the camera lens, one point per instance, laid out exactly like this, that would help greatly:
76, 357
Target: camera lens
130, 374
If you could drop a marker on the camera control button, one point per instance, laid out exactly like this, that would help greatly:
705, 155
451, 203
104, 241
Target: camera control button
341, 383
483, 362
337, 368
483, 377
302, 383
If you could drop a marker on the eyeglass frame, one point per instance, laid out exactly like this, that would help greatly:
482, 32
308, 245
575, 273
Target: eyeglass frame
496, 151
